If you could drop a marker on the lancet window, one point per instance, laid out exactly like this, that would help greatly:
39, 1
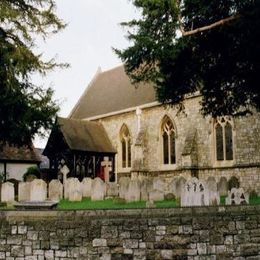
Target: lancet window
125, 139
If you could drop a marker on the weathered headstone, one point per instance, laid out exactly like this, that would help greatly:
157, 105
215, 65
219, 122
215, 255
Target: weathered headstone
65, 170
223, 186
146, 187
194, 193
214, 198
134, 191
179, 186
73, 189
98, 190
156, 195
159, 184
237, 197
112, 189
107, 168
172, 187
24, 191
86, 187
123, 187
7, 192
38, 190
55, 190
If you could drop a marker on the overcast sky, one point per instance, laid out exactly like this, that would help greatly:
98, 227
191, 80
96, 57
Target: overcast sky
86, 43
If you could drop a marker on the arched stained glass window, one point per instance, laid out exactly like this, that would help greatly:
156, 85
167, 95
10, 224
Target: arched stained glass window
168, 141
223, 139
125, 139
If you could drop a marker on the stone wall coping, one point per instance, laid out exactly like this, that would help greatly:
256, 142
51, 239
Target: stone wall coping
126, 213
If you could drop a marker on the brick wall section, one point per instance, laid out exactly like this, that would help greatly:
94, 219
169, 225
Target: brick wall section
180, 233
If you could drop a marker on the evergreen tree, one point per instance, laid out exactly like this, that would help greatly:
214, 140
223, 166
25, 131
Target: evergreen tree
198, 45
25, 109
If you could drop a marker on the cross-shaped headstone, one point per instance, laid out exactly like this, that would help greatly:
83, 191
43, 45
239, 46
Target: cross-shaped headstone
107, 167
64, 170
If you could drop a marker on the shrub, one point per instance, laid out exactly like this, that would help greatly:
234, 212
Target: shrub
32, 173
233, 182
169, 196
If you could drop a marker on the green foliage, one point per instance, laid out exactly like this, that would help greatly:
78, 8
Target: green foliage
32, 171
222, 62
253, 194
233, 182
25, 109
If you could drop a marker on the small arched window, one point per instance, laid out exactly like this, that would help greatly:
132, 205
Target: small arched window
223, 139
125, 139
168, 141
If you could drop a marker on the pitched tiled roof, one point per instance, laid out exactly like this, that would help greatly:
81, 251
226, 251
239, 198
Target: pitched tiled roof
112, 91
83, 135
18, 153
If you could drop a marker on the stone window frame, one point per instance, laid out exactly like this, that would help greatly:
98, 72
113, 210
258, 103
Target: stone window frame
222, 120
169, 166
128, 140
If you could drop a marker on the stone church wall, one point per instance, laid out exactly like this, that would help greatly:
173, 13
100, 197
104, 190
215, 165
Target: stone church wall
246, 142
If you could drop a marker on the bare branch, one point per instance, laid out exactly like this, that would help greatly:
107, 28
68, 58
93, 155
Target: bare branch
210, 26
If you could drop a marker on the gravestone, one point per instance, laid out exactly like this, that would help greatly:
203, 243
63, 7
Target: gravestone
55, 190
156, 195
223, 186
98, 189
179, 186
38, 190
65, 170
214, 198
86, 187
194, 193
172, 187
7, 192
24, 191
123, 187
73, 189
112, 189
134, 191
159, 184
237, 197
146, 187
107, 168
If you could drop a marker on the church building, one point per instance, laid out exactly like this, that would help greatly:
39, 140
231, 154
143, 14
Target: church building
143, 137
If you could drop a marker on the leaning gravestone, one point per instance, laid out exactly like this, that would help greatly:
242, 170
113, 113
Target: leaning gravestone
24, 191
179, 186
123, 187
98, 189
194, 193
38, 190
237, 197
134, 191
112, 189
86, 187
7, 192
55, 190
223, 186
214, 198
73, 189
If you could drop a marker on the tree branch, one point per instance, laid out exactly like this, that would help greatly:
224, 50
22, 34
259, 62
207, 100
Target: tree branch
210, 26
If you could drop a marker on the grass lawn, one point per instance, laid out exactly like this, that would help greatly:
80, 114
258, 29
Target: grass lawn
86, 203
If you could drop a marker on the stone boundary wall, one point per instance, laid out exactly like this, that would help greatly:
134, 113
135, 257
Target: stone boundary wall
231, 232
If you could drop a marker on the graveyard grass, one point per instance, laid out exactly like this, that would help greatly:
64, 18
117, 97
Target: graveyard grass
86, 203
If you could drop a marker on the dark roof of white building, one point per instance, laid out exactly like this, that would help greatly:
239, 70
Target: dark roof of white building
112, 91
